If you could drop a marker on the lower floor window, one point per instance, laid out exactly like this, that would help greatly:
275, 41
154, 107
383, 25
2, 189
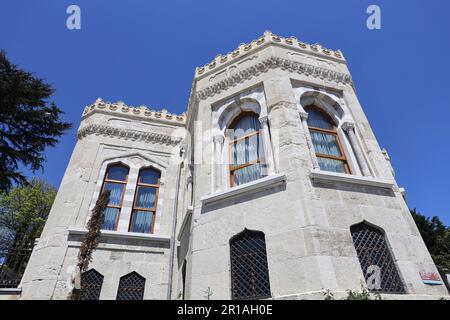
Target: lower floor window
131, 287
91, 285
249, 268
376, 260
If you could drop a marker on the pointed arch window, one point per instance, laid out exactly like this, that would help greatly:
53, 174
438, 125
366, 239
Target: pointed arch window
376, 261
91, 285
246, 149
327, 144
131, 287
145, 201
249, 268
115, 180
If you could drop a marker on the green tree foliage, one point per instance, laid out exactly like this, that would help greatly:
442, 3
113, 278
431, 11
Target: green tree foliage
436, 237
28, 122
23, 212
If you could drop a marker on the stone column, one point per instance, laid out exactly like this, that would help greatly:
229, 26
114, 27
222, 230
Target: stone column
349, 128
189, 186
218, 146
312, 152
267, 143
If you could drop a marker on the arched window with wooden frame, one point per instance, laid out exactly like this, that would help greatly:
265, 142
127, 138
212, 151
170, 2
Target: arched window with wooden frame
246, 151
326, 141
249, 267
115, 180
145, 201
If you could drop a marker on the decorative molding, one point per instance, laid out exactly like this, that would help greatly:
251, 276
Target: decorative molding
267, 38
105, 130
141, 111
303, 115
263, 119
219, 139
272, 63
346, 126
122, 235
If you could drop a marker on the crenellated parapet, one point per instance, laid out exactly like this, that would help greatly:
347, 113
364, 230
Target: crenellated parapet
120, 108
269, 38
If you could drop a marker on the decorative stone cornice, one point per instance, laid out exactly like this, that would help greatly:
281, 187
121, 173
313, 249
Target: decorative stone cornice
128, 134
266, 38
272, 63
121, 108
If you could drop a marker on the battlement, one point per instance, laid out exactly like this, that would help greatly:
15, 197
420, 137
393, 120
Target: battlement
267, 38
142, 111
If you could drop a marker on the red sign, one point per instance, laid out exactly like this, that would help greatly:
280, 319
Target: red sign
430, 277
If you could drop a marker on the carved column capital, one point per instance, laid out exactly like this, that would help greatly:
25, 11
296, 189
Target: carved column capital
263, 119
303, 115
346, 126
218, 139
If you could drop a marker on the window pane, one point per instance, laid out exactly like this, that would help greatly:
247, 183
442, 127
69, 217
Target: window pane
247, 174
142, 221
331, 165
118, 173
146, 197
149, 176
115, 198
245, 125
326, 143
318, 120
246, 150
109, 222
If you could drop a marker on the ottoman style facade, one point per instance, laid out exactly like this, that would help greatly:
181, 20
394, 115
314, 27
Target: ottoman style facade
272, 185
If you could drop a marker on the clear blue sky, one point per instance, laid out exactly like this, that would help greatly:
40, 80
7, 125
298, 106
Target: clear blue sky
145, 52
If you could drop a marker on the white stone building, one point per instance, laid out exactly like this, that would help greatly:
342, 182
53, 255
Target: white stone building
272, 185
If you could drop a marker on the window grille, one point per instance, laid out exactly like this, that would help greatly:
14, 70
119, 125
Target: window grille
131, 287
91, 285
372, 250
249, 269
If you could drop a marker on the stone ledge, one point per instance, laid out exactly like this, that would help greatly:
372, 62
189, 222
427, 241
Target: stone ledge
186, 218
10, 292
123, 235
251, 187
324, 176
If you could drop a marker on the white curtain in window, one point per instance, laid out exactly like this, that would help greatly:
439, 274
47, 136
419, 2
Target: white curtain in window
142, 221
247, 150
110, 218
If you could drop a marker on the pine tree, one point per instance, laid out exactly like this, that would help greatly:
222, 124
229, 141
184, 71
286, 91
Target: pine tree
28, 122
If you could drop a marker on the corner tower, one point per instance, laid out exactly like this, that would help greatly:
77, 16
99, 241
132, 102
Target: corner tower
290, 186
133, 152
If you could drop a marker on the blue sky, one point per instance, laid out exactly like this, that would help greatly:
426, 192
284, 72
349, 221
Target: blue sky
145, 52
